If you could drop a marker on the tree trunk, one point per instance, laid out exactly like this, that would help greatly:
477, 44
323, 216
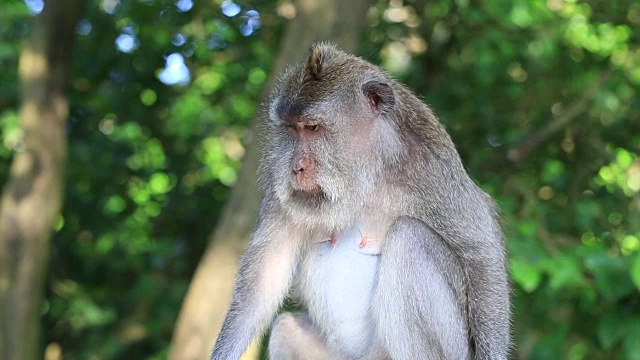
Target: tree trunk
32, 196
210, 291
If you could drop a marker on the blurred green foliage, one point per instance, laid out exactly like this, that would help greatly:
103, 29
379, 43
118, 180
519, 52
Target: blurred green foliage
151, 163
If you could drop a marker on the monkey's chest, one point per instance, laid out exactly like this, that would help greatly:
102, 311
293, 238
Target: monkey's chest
337, 283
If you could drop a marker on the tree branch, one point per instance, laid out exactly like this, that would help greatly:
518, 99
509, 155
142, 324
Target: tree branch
32, 196
562, 121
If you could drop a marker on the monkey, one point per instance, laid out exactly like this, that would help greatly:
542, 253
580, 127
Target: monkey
370, 221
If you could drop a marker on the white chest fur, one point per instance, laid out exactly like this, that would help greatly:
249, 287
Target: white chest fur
336, 283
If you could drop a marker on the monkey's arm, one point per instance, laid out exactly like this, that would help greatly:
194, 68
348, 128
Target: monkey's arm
264, 277
418, 302
488, 295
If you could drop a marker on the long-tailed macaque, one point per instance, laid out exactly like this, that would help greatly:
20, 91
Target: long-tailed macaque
370, 221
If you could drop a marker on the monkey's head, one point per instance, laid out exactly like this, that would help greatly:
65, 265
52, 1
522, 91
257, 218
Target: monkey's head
329, 135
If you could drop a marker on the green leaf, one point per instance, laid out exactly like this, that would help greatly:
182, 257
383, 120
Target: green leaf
631, 346
609, 329
525, 274
565, 273
159, 183
148, 97
578, 351
114, 205
624, 158
8, 50
552, 170
257, 76
611, 276
635, 271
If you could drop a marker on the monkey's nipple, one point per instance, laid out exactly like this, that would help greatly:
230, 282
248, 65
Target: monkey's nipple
363, 241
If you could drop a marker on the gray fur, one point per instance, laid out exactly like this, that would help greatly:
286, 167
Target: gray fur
386, 167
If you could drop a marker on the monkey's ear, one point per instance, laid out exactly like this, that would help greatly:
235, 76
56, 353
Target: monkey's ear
380, 96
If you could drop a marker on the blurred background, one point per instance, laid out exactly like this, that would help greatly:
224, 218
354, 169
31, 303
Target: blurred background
124, 126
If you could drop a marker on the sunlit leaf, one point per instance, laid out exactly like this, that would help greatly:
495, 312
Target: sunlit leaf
159, 183
635, 271
114, 204
148, 97
525, 274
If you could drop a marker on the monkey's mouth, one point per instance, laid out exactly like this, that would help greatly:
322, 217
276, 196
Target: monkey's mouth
305, 185
314, 192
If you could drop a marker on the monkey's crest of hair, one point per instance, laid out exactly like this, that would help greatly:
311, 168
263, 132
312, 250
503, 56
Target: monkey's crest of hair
314, 63
318, 54
326, 71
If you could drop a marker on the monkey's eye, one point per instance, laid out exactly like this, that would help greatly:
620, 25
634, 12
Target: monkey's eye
313, 128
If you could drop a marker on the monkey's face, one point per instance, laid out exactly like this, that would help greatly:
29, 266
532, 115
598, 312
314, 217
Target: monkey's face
310, 168
329, 134
325, 159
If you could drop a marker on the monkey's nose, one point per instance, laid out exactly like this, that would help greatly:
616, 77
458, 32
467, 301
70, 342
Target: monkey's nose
298, 169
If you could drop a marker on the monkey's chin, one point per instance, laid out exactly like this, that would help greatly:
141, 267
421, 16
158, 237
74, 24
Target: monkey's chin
316, 208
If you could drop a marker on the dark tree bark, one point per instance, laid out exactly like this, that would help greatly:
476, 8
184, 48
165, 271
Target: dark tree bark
209, 294
32, 196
